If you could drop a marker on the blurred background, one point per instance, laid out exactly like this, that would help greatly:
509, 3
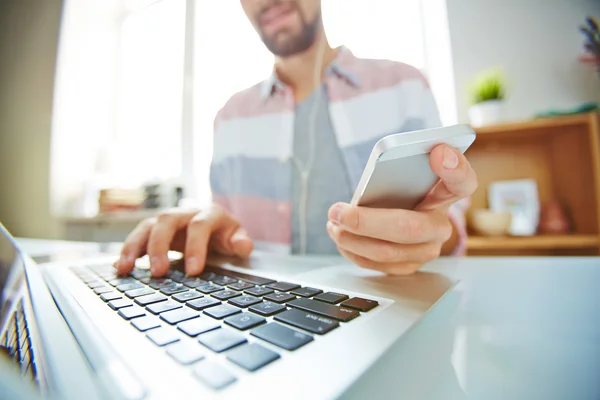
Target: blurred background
107, 107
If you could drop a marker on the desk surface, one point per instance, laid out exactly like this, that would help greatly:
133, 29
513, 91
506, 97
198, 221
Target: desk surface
513, 328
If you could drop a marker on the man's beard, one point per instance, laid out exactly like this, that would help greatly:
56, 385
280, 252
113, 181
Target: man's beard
297, 43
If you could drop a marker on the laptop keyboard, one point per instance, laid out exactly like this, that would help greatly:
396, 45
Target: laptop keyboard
16, 343
283, 314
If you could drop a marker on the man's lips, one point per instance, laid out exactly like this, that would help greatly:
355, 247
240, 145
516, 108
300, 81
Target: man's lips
276, 16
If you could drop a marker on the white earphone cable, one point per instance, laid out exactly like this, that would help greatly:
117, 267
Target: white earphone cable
305, 172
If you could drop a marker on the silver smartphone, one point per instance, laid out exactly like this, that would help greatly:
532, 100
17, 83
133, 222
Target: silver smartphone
398, 175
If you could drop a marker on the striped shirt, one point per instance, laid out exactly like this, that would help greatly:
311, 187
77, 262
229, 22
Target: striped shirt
251, 170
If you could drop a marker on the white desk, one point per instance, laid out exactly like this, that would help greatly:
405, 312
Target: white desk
514, 328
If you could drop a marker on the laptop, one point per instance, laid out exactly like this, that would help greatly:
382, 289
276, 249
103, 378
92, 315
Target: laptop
272, 327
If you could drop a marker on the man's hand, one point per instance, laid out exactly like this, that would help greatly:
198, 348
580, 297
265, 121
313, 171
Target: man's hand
399, 242
192, 232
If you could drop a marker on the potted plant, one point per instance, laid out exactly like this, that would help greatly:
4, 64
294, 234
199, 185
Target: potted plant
591, 31
487, 99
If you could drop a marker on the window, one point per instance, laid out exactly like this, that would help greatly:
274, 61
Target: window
150, 93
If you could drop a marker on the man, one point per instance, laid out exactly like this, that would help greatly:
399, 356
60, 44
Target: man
289, 151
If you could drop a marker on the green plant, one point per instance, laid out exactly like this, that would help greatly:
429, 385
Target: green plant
488, 85
591, 31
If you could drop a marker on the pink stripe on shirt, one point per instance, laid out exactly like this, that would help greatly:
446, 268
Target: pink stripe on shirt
269, 221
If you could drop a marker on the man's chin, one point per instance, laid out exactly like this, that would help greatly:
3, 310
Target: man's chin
286, 46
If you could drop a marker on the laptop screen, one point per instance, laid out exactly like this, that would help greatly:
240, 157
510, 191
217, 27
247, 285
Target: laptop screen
11, 275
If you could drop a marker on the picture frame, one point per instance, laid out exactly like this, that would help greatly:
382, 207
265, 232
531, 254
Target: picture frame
520, 198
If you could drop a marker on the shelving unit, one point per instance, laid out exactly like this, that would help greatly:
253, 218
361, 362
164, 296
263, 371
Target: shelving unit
563, 155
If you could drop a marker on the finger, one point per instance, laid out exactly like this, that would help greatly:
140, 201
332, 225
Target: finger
394, 225
382, 251
242, 244
457, 178
397, 269
230, 239
134, 246
210, 228
159, 243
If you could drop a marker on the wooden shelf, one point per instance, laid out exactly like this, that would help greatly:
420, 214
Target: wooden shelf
540, 242
540, 125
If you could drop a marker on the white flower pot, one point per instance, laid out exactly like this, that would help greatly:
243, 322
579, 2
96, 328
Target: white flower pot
487, 113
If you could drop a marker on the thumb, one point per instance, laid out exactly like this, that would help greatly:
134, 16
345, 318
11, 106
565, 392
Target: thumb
241, 243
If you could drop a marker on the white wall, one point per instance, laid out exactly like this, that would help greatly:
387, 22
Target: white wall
536, 42
29, 33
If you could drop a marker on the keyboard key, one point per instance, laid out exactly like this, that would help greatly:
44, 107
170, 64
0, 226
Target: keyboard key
225, 294
209, 275
102, 290
252, 356
309, 322
162, 336
245, 301
194, 282
160, 283
141, 273
110, 275
331, 297
176, 276
201, 304
175, 316
240, 285
213, 375
283, 286
131, 312
256, 280
129, 286
186, 296
259, 291
110, 296
144, 324
224, 280
222, 311
150, 299
132, 294
122, 281
90, 279
95, 284
281, 336
220, 340
324, 309
306, 292
173, 289
196, 326
119, 303
244, 321
209, 288
360, 304
267, 308
186, 352
279, 297
163, 306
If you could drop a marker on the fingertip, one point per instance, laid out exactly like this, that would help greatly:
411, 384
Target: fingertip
125, 264
193, 266
159, 266
243, 247
444, 160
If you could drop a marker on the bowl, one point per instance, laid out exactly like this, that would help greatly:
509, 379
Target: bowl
490, 223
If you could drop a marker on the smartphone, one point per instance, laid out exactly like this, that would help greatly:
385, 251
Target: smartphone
398, 175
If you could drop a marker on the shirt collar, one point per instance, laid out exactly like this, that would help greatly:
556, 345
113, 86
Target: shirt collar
338, 69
